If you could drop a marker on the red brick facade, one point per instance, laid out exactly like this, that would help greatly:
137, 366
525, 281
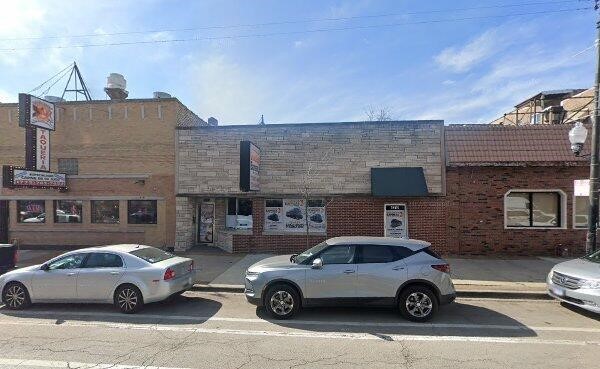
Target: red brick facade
476, 211
351, 216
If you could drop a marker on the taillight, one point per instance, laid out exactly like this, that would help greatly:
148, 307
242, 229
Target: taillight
169, 274
444, 268
191, 266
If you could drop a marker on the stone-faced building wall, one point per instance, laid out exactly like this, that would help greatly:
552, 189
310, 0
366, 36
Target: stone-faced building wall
332, 160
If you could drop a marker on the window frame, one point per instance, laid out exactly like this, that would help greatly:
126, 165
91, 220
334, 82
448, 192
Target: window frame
329, 247
68, 172
574, 220
144, 223
561, 213
19, 221
55, 211
92, 201
85, 257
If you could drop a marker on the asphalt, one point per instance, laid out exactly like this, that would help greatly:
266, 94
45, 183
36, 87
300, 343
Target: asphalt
221, 330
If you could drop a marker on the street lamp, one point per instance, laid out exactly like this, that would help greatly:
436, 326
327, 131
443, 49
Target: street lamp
577, 136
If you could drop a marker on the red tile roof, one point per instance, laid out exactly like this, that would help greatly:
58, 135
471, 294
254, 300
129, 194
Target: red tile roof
486, 144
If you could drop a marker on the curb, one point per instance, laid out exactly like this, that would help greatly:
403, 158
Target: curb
488, 293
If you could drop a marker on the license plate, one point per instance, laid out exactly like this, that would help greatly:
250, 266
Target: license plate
558, 291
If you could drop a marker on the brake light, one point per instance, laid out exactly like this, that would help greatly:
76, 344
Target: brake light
169, 274
191, 266
444, 268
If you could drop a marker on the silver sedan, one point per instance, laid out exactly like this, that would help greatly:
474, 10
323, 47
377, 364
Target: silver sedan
127, 276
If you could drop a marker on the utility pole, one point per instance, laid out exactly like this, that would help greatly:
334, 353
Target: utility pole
590, 243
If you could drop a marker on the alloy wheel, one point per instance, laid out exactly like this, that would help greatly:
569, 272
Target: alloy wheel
15, 296
419, 304
282, 303
127, 299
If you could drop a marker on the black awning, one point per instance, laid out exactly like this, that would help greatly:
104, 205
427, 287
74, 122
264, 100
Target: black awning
398, 182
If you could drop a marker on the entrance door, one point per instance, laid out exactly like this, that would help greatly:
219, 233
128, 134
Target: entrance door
3, 221
206, 222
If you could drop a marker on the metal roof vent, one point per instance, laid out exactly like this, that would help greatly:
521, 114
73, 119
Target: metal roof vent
161, 95
115, 86
213, 121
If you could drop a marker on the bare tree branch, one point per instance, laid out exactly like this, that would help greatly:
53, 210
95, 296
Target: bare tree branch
381, 114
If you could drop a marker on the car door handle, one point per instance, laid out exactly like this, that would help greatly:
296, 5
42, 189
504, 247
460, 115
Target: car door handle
114, 273
398, 268
71, 274
349, 271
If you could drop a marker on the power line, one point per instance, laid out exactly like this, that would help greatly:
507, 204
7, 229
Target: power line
51, 78
318, 30
299, 21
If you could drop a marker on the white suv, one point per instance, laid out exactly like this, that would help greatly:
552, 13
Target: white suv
354, 270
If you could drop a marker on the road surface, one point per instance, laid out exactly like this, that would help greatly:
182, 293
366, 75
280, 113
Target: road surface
220, 330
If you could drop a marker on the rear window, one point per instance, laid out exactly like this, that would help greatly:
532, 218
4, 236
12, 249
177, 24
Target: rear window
429, 251
152, 254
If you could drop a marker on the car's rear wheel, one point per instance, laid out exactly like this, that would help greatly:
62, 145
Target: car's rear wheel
15, 296
128, 299
418, 304
282, 301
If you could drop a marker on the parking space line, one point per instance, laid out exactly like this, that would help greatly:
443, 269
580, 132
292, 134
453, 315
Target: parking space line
323, 335
16, 363
297, 322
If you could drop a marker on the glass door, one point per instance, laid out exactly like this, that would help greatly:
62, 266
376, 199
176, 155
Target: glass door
206, 222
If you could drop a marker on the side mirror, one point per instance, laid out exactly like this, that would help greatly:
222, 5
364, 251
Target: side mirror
45, 267
317, 263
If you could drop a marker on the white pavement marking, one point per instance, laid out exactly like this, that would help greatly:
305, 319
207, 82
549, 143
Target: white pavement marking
203, 319
17, 363
325, 335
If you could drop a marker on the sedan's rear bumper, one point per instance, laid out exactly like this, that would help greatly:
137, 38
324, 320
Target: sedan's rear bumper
164, 289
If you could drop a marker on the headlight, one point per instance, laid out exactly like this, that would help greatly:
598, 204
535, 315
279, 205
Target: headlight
590, 284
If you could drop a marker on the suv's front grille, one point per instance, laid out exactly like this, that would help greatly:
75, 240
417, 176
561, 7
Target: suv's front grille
566, 281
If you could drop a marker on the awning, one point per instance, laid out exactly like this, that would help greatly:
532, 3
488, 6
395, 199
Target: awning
398, 182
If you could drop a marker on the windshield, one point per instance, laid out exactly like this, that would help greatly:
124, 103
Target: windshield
152, 254
310, 252
594, 257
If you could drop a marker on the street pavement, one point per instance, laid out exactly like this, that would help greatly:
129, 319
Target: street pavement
221, 330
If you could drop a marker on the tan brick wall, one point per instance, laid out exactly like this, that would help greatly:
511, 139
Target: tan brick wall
340, 156
125, 150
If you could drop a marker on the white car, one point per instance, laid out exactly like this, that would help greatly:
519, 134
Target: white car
127, 276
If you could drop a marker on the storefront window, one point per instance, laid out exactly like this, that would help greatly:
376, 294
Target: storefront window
141, 211
31, 211
289, 215
67, 211
105, 211
533, 209
239, 213
582, 207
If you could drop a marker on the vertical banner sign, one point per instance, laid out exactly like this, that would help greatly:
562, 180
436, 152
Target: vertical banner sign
206, 224
395, 221
249, 166
42, 150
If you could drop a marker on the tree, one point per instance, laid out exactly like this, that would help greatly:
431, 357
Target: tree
381, 114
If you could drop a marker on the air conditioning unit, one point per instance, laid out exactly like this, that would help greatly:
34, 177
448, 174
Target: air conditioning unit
238, 221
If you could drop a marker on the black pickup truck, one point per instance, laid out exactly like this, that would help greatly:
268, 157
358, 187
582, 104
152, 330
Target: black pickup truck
8, 257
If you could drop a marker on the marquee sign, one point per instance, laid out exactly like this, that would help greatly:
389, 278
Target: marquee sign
15, 177
249, 166
36, 112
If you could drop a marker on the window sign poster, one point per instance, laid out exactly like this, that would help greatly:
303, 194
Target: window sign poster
317, 222
206, 223
294, 214
274, 219
395, 221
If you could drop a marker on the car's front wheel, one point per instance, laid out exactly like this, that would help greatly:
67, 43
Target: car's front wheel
128, 299
282, 301
15, 296
418, 304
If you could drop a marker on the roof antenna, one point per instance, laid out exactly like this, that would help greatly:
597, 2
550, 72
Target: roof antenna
81, 89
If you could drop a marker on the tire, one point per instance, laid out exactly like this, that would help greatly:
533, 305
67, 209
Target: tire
418, 304
128, 298
15, 296
282, 301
